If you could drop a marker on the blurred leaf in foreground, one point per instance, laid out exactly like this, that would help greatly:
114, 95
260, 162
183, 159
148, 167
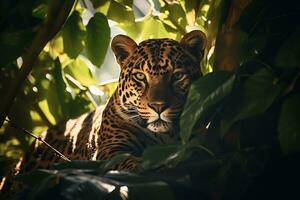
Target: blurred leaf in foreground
289, 126
204, 93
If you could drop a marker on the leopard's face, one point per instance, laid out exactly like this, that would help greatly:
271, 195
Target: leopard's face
154, 81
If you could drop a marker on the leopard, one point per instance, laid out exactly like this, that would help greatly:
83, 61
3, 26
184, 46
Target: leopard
144, 110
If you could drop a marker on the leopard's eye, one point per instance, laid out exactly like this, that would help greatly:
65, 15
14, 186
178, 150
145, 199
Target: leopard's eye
178, 75
139, 76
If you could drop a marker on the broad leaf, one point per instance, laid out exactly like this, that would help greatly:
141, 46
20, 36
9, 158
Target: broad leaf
204, 93
127, 16
79, 70
174, 15
144, 29
257, 95
101, 5
160, 155
73, 34
32, 178
97, 40
289, 126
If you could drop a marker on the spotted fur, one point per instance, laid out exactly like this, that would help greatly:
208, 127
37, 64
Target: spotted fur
144, 110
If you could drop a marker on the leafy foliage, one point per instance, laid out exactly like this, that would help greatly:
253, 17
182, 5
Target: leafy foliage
238, 130
98, 35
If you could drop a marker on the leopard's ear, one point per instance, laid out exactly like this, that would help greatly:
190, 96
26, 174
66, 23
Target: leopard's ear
122, 46
195, 42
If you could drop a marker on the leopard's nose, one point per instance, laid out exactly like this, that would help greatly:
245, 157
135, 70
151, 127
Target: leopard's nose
158, 107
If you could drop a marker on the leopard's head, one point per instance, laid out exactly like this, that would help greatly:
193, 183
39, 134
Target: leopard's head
155, 77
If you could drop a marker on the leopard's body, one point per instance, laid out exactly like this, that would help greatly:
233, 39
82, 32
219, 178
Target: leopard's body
144, 110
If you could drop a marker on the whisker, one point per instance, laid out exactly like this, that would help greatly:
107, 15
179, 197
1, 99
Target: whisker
134, 116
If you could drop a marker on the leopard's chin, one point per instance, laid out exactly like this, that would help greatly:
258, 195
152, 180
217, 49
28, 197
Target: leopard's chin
159, 126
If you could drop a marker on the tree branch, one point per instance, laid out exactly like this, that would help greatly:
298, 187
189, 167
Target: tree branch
39, 139
57, 15
229, 38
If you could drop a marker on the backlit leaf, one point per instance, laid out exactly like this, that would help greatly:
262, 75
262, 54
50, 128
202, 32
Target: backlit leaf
79, 70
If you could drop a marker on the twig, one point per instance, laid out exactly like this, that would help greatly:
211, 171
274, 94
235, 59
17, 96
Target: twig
39, 139
57, 15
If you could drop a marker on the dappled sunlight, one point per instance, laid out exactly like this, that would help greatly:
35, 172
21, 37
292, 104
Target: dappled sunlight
238, 128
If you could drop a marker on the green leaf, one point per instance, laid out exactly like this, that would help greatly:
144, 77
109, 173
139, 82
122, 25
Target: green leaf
120, 13
56, 46
13, 44
189, 8
144, 29
40, 182
289, 54
125, 2
97, 40
258, 93
79, 70
32, 178
60, 83
78, 185
101, 5
204, 93
160, 155
73, 34
174, 15
289, 126
61, 100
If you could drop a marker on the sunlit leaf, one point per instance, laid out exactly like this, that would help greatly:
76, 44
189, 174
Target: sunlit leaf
174, 15
289, 126
144, 29
125, 2
97, 40
204, 93
190, 8
127, 16
44, 106
79, 70
73, 34
101, 5
55, 47
55, 94
109, 87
